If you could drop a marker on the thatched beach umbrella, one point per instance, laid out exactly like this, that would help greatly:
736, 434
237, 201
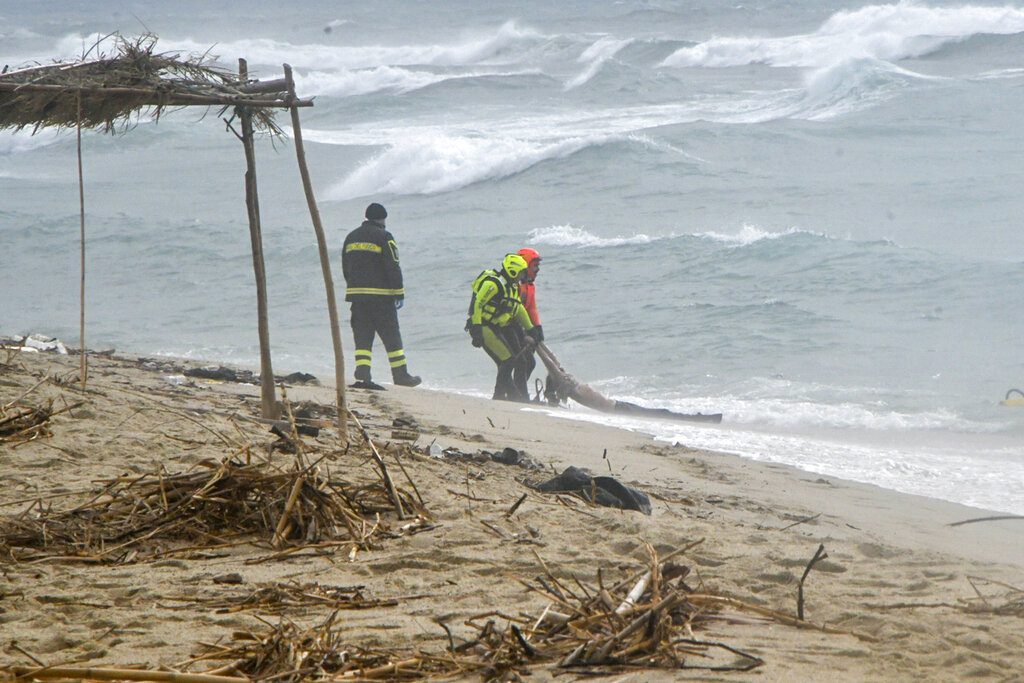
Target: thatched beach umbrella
109, 92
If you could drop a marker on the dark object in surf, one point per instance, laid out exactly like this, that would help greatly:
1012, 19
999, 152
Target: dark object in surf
561, 386
605, 491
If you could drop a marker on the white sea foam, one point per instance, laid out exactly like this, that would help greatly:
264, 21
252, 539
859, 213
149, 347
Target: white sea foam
748, 234
350, 83
571, 236
889, 32
439, 162
595, 57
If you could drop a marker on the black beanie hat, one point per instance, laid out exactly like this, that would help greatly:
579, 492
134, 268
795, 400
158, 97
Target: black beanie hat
376, 212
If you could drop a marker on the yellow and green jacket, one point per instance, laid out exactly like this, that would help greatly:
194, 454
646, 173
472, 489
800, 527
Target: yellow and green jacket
496, 302
369, 261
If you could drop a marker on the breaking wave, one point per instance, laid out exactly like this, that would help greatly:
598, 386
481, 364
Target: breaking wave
888, 32
350, 83
428, 163
571, 236
595, 57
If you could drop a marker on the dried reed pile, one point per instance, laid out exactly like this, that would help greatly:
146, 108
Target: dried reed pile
108, 89
644, 622
24, 423
131, 519
279, 597
289, 653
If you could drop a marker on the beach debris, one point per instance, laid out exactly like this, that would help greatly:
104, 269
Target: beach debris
136, 518
819, 555
405, 429
290, 653
283, 596
34, 343
506, 456
605, 491
298, 378
23, 423
221, 373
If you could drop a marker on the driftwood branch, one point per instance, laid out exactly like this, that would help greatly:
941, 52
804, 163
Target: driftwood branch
819, 555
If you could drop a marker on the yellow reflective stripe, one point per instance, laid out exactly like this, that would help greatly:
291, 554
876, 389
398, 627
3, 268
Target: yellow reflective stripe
364, 352
363, 246
363, 361
396, 354
375, 291
398, 363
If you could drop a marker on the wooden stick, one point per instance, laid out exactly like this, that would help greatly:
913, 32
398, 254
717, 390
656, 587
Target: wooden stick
118, 675
159, 98
84, 370
268, 407
515, 506
325, 261
819, 554
281, 523
388, 484
996, 518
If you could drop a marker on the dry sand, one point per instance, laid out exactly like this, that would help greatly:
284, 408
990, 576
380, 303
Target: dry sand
895, 570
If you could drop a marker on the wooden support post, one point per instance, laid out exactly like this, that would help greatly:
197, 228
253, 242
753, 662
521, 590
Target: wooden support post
269, 407
83, 359
325, 261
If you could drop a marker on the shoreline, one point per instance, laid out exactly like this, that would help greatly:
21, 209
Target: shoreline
895, 571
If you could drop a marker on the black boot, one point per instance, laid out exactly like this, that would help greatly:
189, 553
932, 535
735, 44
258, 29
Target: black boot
401, 377
363, 380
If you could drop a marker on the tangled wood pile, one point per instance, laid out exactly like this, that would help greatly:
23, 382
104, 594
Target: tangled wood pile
135, 518
646, 621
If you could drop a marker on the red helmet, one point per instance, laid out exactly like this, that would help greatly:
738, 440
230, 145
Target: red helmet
530, 255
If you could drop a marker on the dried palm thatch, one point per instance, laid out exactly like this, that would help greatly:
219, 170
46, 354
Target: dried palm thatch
115, 81
130, 519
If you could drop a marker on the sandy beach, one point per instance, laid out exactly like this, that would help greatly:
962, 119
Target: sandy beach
904, 595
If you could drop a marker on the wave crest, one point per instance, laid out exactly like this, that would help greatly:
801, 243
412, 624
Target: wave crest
571, 236
887, 32
595, 57
439, 162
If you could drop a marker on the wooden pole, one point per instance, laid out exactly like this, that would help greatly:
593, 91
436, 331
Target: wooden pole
90, 674
325, 262
269, 407
84, 369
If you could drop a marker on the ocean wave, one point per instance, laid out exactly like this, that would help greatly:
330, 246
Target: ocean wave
262, 51
571, 236
749, 234
18, 141
852, 85
350, 83
428, 163
595, 57
888, 32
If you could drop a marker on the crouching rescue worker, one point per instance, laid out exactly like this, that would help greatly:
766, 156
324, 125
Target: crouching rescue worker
500, 325
373, 279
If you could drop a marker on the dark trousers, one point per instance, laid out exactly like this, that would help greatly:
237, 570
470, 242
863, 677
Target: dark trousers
377, 317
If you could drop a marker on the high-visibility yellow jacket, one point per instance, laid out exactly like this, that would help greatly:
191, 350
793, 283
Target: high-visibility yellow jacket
496, 302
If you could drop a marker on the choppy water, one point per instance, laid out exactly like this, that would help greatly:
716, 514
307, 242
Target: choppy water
803, 214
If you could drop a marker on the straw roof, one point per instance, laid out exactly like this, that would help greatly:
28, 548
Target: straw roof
110, 89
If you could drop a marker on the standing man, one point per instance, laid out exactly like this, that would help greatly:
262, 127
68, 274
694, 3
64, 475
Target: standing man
374, 287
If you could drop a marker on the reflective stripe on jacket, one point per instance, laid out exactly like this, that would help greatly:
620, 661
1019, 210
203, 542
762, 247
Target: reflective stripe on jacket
369, 261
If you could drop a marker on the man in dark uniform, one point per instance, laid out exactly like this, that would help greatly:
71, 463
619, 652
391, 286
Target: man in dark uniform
374, 287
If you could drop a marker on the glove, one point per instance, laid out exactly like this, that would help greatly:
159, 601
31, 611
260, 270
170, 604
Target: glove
536, 333
477, 333
398, 303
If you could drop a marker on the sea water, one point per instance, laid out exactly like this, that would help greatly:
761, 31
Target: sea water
803, 214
